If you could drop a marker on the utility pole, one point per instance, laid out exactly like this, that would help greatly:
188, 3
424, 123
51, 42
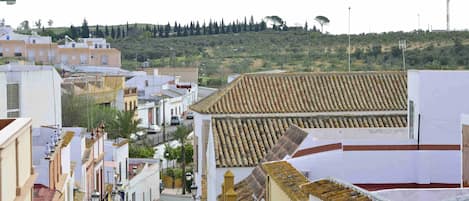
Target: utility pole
349, 62
164, 120
447, 16
402, 46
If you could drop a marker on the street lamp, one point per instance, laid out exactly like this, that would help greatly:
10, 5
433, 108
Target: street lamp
188, 180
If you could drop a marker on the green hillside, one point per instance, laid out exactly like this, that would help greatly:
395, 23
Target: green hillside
238, 49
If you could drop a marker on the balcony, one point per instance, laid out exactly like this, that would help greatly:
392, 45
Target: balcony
132, 91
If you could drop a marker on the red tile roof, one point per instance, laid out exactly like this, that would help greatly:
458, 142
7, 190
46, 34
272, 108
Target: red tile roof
309, 92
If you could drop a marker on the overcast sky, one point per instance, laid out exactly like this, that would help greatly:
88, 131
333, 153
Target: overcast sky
366, 15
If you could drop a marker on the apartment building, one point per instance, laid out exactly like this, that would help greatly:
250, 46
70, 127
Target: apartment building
16, 171
41, 50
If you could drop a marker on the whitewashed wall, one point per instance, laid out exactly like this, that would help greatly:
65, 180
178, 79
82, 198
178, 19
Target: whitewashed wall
141, 184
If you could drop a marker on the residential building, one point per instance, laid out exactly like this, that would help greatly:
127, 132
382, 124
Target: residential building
23, 85
184, 74
130, 99
87, 151
89, 51
16, 167
146, 111
41, 50
238, 125
429, 153
144, 180
102, 89
51, 159
171, 96
116, 164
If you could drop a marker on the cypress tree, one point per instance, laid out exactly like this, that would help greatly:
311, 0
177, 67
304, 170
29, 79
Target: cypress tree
205, 29
216, 30
197, 28
245, 25
118, 34
106, 31
85, 31
167, 29
251, 24
113, 33
222, 26
127, 26
191, 29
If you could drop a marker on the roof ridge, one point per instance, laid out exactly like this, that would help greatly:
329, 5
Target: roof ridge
323, 73
216, 96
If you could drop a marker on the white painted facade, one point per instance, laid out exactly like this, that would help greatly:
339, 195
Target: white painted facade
39, 93
434, 119
77, 150
143, 112
145, 186
116, 163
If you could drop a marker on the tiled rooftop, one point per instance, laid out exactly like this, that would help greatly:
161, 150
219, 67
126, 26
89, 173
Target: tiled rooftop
254, 184
329, 190
288, 178
309, 92
244, 141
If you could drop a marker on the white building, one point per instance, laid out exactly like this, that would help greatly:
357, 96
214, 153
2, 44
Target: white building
51, 160
238, 125
146, 111
116, 164
171, 97
31, 91
144, 180
426, 154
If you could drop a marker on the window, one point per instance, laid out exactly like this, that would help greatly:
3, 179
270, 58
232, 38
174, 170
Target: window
96, 46
104, 60
125, 107
13, 98
411, 119
83, 58
171, 112
34, 41
120, 171
18, 52
100, 46
133, 197
143, 196
73, 45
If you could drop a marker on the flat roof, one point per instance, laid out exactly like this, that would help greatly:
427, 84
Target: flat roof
21, 68
359, 133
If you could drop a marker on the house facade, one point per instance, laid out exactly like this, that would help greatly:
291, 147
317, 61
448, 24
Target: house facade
116, 165
17, 174
144, 180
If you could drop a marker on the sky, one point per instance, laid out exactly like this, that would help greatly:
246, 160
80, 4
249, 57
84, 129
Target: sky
365, 15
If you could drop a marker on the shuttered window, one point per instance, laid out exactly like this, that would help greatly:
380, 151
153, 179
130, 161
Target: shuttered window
13, 100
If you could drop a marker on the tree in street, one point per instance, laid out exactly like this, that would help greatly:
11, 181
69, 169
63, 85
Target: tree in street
180, 135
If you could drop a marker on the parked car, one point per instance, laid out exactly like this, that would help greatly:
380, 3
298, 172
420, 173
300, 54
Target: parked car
175, 120
190, 115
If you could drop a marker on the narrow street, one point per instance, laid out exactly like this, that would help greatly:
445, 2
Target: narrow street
165, 197
157, 138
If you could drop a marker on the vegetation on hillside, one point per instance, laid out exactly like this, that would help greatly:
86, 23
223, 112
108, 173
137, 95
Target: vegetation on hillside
220, 49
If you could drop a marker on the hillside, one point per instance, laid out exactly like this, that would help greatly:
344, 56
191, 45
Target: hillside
219, 55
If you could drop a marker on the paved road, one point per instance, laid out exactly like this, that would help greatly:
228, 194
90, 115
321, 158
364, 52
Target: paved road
174, 198
156, 139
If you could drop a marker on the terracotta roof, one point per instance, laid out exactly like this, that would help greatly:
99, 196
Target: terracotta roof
254, 184
244, 141
329, 190
287, 178
309, 92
